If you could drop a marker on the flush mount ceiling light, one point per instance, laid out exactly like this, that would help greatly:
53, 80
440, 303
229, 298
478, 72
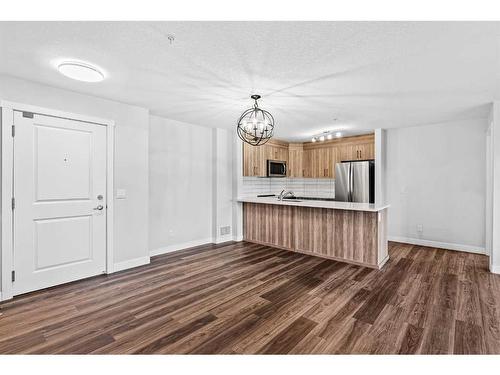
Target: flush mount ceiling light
80, 71
255, 125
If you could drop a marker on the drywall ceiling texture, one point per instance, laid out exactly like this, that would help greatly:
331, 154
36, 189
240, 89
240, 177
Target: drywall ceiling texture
131, 156
436, 178
368, 75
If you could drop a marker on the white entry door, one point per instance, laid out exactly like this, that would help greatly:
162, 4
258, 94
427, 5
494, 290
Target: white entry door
60, 201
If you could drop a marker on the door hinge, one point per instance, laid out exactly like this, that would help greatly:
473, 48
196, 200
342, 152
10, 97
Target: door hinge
13, 130
13, 203
28, 114
13, 276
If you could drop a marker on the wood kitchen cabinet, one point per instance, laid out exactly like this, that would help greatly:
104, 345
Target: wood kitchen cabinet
253, 161
255, 157
275, 151
308, 160
319, 162
358, 151
295, 160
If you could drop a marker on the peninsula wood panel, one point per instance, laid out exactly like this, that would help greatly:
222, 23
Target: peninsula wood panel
351, 236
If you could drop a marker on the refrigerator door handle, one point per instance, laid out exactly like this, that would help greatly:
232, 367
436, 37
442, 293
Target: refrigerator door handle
350, 182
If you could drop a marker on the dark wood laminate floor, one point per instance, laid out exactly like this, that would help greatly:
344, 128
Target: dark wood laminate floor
246, 298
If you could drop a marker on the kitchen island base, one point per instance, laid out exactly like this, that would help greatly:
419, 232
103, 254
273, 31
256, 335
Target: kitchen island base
351, 236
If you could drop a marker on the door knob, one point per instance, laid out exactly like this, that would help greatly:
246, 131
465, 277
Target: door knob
99, 208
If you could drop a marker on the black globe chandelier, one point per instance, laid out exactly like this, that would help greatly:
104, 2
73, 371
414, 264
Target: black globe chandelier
255, 125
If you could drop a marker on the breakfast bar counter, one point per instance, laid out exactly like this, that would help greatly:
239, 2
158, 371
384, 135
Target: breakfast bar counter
349, 232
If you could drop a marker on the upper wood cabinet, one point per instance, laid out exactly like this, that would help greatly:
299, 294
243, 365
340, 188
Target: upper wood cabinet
275, 151
357, 151
255, 157
309, 160
253, 161
320, 162
295, 160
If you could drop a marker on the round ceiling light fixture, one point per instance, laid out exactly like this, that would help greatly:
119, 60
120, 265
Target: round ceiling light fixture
80, 71
255, 125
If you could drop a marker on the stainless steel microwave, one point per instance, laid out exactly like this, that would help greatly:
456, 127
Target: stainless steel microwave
276, 168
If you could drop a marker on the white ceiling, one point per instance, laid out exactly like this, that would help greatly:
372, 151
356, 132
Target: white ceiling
365, 74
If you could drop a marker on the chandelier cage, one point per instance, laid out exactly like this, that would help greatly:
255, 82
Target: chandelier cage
255, 125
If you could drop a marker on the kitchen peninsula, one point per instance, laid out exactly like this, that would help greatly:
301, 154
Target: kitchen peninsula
344, 231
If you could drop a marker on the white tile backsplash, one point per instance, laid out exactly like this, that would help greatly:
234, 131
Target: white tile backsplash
306, 187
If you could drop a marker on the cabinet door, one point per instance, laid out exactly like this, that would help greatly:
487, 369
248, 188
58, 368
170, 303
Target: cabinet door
334, 159
295, 168
365, 151
248, 163
307, 163
324, 162
254, 161
368, 151
275, 153
347, 152
283, 154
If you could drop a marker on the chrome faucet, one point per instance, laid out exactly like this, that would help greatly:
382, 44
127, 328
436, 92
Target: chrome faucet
285, 194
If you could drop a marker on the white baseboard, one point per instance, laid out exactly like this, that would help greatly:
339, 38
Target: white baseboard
495, 268
125, 265
222, 239
181, 246
186, 245
1, 297
441, 245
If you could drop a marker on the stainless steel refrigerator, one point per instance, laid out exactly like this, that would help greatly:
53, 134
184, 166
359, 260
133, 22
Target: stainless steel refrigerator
355, 181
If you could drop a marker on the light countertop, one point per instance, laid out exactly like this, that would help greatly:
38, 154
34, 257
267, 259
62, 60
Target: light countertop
316, 203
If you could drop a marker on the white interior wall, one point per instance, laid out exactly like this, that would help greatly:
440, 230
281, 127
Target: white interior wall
237, 147
436, 178
190, 184
222, 184
131, 157
180, 175
495, 171
380, 166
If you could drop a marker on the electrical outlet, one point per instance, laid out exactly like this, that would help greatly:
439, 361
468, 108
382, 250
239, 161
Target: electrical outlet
420, 228
225, 230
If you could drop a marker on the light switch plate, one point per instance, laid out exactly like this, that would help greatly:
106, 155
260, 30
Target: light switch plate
121, 193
